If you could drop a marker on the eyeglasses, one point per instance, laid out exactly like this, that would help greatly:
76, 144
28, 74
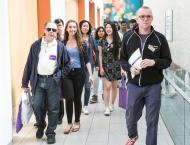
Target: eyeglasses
51, 29
145, 16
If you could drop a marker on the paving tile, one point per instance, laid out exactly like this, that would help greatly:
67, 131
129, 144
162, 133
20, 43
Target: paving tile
96, 129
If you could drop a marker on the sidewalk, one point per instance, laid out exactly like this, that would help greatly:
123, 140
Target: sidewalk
96, 129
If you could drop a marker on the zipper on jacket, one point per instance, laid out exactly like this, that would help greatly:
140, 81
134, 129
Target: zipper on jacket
142, 47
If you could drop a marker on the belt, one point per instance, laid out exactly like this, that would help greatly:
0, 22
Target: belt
75, 69
45, 76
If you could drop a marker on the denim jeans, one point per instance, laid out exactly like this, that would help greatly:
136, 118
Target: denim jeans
96, 83
46, 97
138, 97
87, 87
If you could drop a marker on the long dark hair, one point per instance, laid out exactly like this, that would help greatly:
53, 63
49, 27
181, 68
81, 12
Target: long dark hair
90, 26
96, 33
78, 36
116, 40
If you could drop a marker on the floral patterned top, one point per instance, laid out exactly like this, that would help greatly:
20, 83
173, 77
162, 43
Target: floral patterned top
110, 65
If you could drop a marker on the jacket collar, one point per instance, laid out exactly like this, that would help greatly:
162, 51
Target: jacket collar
53, 43
59, 46
136, 30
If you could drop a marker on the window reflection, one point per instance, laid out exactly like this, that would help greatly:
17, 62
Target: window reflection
175, 109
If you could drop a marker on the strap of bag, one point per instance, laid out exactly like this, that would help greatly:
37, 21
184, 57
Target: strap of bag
123, 81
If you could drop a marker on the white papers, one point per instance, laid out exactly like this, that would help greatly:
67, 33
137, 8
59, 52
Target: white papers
135, 60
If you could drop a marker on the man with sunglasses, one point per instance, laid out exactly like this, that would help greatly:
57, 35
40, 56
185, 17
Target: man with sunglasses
144, 54
47, 63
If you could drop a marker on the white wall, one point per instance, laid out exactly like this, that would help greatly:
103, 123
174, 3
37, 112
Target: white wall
5, 77
57, 8
86, 4
100, 4
180, 46
96, 16
71, 9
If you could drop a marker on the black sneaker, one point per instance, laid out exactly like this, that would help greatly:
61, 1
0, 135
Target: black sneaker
94, 99
50, 139
39, 133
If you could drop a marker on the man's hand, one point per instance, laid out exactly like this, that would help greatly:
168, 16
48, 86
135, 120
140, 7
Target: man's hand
147, 63
26, 90
134, 71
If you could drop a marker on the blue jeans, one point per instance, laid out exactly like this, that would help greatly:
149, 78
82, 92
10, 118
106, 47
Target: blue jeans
87, 87
46, 97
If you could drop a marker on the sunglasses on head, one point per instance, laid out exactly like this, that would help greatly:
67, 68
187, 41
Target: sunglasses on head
51, 29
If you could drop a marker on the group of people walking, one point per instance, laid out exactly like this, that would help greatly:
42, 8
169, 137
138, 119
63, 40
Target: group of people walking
61, 63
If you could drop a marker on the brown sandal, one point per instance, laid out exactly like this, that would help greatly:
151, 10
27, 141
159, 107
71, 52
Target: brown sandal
67, 129
76, 127
132, 141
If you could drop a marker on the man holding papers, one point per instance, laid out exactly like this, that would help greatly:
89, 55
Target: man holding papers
135, 60
144, 54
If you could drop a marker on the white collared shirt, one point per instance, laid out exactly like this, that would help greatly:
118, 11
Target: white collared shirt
47, 58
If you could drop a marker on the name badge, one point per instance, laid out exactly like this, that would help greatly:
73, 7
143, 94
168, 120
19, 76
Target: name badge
52, 57
152, 48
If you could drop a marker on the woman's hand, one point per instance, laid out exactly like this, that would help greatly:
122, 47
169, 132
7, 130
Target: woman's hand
91, 79
97, 68
102, 71
123, 72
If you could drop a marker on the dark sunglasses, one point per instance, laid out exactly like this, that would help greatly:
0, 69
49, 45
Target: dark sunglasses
51, 29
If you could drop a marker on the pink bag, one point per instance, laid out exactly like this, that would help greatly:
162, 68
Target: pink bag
123, 94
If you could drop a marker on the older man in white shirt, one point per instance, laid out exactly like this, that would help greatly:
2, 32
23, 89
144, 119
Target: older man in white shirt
47, 63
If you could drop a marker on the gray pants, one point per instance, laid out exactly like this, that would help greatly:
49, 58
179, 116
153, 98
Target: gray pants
138, 97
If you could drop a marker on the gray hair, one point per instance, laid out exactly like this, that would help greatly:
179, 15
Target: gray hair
143, 7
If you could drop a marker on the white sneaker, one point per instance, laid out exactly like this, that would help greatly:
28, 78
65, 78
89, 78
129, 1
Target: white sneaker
107, 112
111, 107
85, 110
